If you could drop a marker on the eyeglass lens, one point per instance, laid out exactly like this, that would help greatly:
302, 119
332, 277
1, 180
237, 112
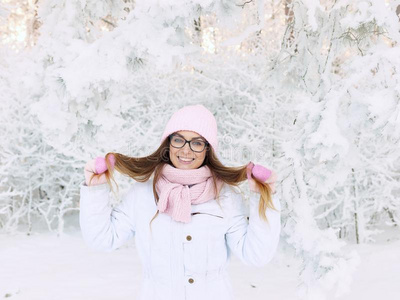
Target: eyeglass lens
195, 145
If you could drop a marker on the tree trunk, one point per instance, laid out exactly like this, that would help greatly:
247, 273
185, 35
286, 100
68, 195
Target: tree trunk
289, 14
288, 11
355, 208
197, 30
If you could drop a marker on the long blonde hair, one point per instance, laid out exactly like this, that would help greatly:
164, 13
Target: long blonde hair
141, 169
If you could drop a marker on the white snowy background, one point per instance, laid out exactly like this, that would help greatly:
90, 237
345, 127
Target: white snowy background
308, 88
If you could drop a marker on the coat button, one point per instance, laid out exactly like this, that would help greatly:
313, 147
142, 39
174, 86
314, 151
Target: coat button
191, 280
189, 238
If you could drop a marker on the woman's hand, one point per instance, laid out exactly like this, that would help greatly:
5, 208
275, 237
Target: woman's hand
90, 169
262, 174
97, 166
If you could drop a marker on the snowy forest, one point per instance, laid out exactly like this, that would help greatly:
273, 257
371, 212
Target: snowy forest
308, 88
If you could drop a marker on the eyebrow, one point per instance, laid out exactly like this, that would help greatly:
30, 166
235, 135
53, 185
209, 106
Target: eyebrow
199, 137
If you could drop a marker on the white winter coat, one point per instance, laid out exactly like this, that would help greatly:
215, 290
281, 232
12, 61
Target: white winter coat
181, 261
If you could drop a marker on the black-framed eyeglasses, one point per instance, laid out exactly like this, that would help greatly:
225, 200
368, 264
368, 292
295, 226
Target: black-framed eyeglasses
196, 145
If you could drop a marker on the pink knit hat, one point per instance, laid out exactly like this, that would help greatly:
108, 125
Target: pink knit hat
195, 118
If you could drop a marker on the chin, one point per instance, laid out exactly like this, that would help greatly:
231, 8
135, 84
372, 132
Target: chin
187, 167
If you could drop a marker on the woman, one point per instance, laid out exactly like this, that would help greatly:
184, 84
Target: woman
188, 218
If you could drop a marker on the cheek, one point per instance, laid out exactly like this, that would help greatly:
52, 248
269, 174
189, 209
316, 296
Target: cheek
172, 152
201, 156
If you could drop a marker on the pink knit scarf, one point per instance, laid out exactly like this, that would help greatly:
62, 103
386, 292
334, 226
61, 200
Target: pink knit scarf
178, 189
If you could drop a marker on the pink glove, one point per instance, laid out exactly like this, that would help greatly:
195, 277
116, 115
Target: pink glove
100, 163
97, 166
262, 174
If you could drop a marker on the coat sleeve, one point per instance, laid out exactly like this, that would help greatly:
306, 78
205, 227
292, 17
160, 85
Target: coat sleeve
103, 227
255, 241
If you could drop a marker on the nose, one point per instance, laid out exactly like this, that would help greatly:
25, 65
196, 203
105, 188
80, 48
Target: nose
186, 148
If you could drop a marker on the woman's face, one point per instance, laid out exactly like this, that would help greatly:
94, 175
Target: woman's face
185, 158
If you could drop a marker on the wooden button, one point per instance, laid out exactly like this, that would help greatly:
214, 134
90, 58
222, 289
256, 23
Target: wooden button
189, 238
191, 280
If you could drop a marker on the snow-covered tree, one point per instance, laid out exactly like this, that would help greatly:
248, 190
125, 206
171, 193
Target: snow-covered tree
308, 88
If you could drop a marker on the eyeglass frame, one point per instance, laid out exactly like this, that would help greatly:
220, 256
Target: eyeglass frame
186, 141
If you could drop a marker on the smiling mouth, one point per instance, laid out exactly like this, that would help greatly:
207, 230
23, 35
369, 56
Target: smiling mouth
185, 159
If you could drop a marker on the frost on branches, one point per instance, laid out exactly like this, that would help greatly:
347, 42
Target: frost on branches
340, 64
308, 88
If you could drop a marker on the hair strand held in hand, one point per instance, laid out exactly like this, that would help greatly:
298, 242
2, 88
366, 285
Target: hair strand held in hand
142, 168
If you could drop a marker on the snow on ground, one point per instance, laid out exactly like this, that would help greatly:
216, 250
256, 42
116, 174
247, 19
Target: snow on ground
44, 267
